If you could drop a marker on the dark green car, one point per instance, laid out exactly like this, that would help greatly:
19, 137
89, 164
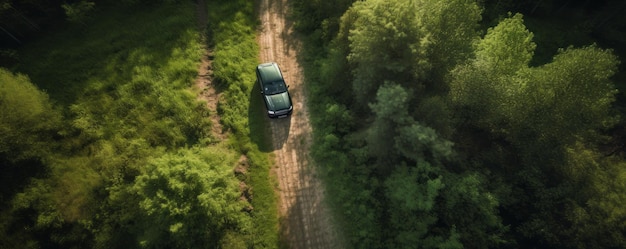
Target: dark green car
274, 90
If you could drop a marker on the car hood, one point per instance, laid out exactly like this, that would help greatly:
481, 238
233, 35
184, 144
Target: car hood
278, 102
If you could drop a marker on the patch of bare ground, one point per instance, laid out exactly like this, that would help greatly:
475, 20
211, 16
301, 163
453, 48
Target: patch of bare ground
204, 83
209, 95
305, 218
204, 78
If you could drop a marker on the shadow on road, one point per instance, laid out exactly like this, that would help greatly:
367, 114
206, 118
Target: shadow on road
264, 130
307, 212
280, 131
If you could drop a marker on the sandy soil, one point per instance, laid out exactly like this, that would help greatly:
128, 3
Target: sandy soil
305, 220
208, 94
204, 78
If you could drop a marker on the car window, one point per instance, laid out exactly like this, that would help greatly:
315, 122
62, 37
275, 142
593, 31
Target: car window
275, 87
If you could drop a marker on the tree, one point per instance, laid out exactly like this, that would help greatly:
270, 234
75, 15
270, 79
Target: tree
416, 141
29, 120
394, 135
188, 200
412, 43
56, 210
595, 212
412, 193
540, 113
384, 46
506, 48
320, 17
558, 101
77, 12
604, 215
484, 86
451, 28
472, 209
567, 98
391, 113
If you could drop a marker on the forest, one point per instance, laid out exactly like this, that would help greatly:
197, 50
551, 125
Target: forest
470, 124
436, 124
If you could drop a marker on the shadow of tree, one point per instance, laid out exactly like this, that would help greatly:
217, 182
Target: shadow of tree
306, 214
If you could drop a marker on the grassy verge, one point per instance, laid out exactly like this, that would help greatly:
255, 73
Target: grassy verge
232, 27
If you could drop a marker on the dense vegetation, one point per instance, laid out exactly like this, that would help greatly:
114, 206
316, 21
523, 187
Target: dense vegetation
437, 124
104, 142
450, 124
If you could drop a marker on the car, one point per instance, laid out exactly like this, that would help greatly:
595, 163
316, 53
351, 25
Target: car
274, 90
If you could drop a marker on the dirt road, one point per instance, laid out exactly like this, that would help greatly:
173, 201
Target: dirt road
305, 220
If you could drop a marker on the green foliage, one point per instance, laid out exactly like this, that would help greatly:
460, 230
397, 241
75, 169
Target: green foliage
566, 98
29, 120
338, 118
125, 93
391, 104
188, 200
126, 87
235, 56
506, 48
412, 43
391, 113
412, 193
435, 112
608, 202
398, 56
136, 50
412, 189
596, 213
525, 132
416, 141
490, 79
467, 201
319, 16
431, 208
384, 42
233, 27
409, 138
543, 113
451, 27
570, 96
77, 12
62, 203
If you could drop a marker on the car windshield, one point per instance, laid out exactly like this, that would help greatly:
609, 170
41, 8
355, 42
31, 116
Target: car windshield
275, 87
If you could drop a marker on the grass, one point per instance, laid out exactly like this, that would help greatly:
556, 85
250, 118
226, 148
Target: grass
112, 50
233, 25
154, 56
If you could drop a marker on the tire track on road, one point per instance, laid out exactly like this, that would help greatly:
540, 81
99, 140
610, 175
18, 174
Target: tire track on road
305, 218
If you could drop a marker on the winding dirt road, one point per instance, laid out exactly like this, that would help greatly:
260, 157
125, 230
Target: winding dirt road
305, 220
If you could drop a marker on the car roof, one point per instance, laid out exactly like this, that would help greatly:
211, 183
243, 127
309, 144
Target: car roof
269, 72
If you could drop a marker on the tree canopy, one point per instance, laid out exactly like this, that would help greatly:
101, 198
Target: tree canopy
410, 43
437, 124
29, 119
469, 140
188, 200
